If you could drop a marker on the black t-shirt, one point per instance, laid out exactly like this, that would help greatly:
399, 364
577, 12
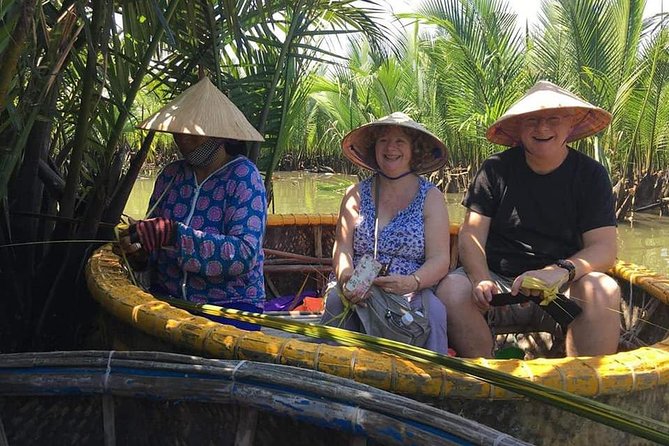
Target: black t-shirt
538, 219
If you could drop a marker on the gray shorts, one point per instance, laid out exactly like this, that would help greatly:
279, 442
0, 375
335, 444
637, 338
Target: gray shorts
515, 318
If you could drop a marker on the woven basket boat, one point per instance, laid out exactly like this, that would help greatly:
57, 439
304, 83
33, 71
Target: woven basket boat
127, 398
635, 379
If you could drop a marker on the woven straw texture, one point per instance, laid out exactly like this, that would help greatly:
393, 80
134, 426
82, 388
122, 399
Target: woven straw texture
202, 110
547, 96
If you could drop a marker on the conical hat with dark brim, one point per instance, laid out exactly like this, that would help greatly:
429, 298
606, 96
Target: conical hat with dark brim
202, 110
429, 152
542, 96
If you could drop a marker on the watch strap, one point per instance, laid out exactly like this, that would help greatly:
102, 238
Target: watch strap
569, 266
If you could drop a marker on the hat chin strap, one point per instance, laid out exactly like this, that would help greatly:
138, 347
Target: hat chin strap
394, 178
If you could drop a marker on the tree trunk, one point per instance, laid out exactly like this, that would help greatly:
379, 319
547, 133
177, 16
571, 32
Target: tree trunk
89, 88
120, 198
27, 187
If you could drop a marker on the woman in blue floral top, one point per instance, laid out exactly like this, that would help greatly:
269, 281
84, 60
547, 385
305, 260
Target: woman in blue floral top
413, 228
207, 215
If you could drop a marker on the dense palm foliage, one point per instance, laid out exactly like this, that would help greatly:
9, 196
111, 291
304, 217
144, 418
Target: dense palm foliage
468, 61
77, 75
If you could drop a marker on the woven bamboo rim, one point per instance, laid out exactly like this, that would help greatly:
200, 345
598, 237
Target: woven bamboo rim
274, 220
303, 394
301, 219
639, 369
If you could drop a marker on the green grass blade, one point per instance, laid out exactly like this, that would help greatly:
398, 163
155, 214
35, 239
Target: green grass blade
602, 413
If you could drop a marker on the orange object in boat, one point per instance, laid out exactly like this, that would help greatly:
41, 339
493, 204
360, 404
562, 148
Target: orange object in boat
311, 304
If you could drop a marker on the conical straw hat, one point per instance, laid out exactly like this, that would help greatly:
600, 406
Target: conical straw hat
545, 95
202, 110
429, 153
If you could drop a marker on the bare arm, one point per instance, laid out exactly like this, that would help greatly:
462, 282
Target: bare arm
437, 240
598, 254
600, 248
342, 255
471, 245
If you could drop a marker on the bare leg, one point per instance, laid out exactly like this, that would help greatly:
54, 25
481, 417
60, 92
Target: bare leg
468, 331
596, 331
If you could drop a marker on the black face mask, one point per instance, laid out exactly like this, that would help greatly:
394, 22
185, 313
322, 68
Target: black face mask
204, 154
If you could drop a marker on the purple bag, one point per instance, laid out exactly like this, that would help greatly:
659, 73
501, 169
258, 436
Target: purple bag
288, 302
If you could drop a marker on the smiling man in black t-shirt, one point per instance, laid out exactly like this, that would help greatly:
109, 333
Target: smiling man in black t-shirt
539, 209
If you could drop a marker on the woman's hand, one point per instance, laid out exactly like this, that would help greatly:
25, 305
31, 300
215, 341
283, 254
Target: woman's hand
397, 284
355, 297
125, 246
134, 253
153, 234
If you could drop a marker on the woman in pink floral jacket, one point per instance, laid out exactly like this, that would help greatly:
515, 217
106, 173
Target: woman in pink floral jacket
203, 235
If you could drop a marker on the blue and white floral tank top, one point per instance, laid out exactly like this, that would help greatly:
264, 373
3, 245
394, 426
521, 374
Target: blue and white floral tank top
403, 238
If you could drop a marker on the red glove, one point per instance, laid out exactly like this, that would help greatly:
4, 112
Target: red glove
153, 233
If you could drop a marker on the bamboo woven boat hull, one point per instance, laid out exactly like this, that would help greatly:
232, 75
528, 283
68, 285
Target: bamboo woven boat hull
635, 379
103, 397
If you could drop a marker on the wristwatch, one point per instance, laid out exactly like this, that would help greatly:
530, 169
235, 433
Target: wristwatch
569, 266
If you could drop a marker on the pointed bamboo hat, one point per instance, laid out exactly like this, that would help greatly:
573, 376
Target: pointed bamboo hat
428, 154
545, 95
202, 110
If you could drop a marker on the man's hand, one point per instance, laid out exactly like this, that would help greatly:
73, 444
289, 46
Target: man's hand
482, 292
552, 275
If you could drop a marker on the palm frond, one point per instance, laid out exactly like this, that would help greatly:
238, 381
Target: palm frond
620, 419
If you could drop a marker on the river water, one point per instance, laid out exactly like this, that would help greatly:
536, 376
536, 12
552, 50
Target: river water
646, 242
